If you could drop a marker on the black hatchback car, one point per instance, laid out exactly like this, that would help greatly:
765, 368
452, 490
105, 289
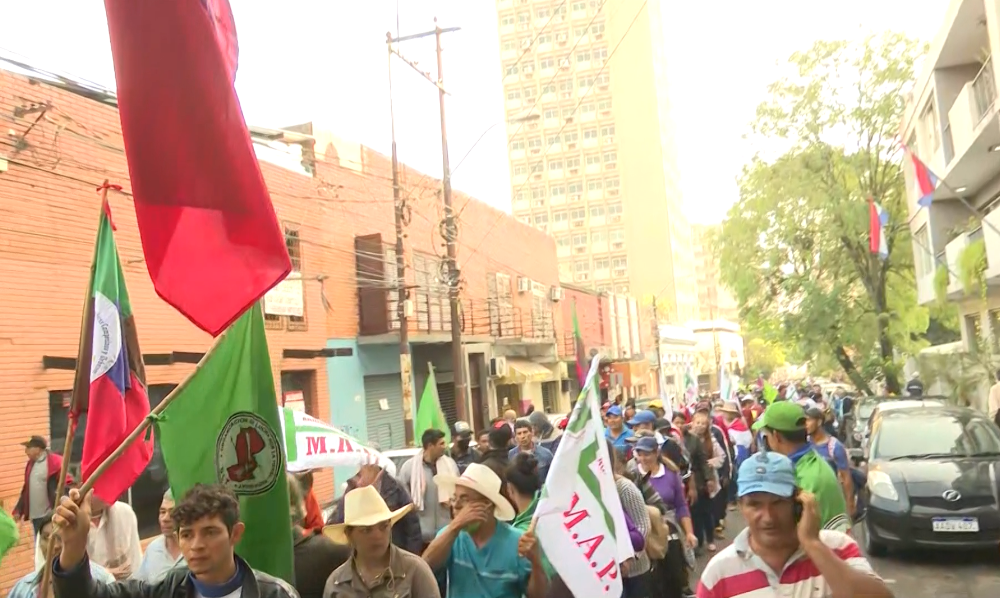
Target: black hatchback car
932, 480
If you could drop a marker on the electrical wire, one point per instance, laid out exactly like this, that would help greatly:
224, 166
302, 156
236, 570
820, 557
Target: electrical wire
496, 221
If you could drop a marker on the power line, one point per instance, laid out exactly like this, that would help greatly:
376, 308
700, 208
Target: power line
561, 129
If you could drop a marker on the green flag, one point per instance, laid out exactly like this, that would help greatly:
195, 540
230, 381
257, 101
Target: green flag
224, 428
770, 393
8, 533
429, 413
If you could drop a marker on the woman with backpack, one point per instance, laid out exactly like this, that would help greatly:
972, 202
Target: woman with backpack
636, 573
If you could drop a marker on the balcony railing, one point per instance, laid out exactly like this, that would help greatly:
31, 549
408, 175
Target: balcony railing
984, 90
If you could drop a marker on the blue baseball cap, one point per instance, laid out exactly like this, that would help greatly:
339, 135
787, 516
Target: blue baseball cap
646, 444
642, 417
767, 472
614, 410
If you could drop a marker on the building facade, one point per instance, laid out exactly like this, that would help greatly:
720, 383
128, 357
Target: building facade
715, 302
332, 327
591, 144
718, 344
951, 123
678, 356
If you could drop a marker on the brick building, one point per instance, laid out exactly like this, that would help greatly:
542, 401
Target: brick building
332, 332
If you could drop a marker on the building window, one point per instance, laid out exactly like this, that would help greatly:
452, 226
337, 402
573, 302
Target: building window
585, 82
561, 216
573, 162
619, 262
553, 139
593, 160
541, 218
555, 164
550, 113
583, 56
537, 192
523, 17
579, 239
602, 263
571, 137
924, 257
508, 45
512, 70
579, 6
517, 145
611, 183
608, 131
562, 241
589, 134
545, 38
617, 235
580, 267
507, 19
546, 63
548, 89
514, 94
578, 214
600, 53
543, 13
596, 211
604, 105
615, 208
575, 188
535, 143
597, 236
520, 169
594, 185
557, 191
587, 109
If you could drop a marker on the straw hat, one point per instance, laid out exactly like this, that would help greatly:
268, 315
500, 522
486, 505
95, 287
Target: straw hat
483, 480
730, 407
363, 507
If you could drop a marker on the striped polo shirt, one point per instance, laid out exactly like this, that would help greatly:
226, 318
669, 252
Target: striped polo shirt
737, 572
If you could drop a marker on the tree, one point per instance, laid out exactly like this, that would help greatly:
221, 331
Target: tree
795, 247
762, 358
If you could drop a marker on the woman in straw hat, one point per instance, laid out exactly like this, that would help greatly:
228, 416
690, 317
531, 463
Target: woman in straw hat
377, 568
484, 556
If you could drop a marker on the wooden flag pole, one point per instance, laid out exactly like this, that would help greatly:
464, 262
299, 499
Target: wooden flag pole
81, 384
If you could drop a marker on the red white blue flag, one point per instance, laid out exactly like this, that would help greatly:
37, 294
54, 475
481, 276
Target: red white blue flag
925, 180
878, 219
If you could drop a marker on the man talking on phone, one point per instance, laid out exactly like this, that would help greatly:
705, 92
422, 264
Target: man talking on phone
783, 551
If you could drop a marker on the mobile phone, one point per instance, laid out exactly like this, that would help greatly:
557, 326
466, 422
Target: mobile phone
797, 507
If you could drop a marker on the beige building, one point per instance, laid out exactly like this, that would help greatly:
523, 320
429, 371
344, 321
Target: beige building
715, 302
951, 123
591, 144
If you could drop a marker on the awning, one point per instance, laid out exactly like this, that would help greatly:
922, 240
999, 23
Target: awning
520, 371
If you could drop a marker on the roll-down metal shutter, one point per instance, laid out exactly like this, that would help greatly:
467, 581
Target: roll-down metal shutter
385, 426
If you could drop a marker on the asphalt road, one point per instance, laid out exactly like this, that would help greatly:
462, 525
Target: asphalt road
922, 575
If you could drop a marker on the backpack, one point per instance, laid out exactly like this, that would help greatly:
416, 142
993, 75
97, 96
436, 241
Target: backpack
858, 478
659, 535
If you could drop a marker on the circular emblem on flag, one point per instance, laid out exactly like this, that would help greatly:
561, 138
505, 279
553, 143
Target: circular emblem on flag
761, 470
248, 456
107, 337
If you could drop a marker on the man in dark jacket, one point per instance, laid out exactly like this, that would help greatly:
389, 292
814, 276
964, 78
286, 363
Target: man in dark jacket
496, 456
41, 476
461, 451
406, 531
211, 513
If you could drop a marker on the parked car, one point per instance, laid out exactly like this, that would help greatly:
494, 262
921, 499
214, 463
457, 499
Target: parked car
893, 404
932, 474
400, 456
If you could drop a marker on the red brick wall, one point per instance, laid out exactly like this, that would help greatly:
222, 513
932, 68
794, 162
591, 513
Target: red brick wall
50, 212
592, 311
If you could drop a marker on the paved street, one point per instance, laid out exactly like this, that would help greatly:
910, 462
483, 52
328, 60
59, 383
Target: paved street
925, 575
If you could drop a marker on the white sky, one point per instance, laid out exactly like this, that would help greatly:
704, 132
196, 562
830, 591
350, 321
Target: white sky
325, 60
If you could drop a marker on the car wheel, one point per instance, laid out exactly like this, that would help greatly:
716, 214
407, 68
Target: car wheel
872, 546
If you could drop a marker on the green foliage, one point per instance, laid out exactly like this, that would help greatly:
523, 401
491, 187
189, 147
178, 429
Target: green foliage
941, 278
972, 267
762, 358
794, 248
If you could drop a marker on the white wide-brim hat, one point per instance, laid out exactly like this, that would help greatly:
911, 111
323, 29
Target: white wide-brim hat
483, 480
363, 507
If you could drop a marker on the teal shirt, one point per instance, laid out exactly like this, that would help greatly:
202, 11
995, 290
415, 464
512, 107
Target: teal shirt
493, 571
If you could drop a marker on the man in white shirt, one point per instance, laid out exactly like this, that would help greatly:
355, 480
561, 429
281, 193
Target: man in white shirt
113, 542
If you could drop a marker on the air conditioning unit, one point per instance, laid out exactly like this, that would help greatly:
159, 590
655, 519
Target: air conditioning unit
578, 224
528, 69
618, 272
575, 196
566, 95
602, 87
616, 218
537, 177
523, 284
618, 245
561, 38
608, 139
564, 64
526, 45
580, 249
523, 26
598, 36
583, 277
612, 192
605, 113
556, 294
532, 126
571, 145
611, 166
498, 367
574, 170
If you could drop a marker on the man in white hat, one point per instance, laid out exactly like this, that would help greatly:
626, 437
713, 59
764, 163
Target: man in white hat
483, 555
377, 567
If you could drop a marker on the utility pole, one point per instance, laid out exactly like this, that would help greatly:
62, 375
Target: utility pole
451, 227
405, 359
659, 356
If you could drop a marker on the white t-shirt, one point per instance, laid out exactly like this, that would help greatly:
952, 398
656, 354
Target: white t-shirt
114, 541
238, 593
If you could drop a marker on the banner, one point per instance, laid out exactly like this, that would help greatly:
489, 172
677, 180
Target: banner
311, 443
580, 523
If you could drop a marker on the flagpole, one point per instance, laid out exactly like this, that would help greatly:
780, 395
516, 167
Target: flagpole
154, 414
81, 382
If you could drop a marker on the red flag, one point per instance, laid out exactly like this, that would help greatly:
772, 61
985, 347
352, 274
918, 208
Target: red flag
211, 239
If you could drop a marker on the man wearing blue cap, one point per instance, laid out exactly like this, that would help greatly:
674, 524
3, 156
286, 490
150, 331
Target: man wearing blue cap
783, 551
615, 430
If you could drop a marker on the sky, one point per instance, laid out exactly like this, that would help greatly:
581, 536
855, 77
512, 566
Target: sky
325, 61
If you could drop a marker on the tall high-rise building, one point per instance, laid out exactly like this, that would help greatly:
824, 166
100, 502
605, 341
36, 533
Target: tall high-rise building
591, 144
715, 302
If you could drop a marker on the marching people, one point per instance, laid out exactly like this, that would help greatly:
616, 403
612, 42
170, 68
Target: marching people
834, 452
430, 501
497, 454
164, 552
482, 554
636, 573
41, 477
525, 443
545, 433
783, 551
616, 430
783, 426
462, 451
314, 514
28, 586
377, 568
406, 534
207, 520
668, 578
315, 555
524, 488
114, 538
703, 508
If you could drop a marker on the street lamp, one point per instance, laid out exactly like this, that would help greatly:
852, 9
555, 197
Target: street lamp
524, 118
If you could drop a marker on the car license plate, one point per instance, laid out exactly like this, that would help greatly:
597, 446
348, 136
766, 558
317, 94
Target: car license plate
955, 524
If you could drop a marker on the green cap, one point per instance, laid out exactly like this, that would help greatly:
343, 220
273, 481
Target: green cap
783, 416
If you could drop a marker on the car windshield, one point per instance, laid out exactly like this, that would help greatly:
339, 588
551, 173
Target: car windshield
929, 436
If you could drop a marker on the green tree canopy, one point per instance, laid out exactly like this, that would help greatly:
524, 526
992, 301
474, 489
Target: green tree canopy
795, 247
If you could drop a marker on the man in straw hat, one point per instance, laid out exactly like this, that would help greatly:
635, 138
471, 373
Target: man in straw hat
483, 555
377, 568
